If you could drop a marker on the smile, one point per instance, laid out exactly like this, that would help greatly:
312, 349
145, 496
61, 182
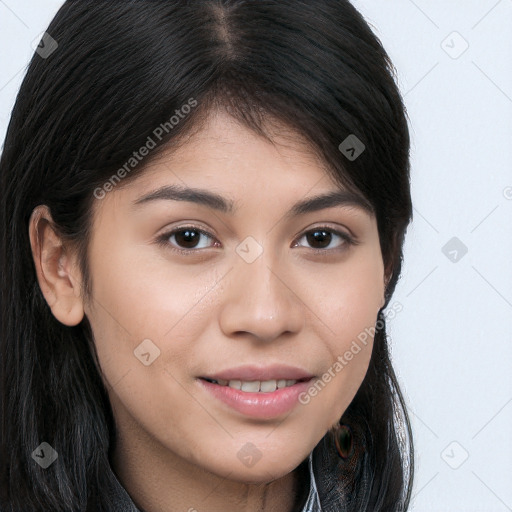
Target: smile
255, 386
256, 399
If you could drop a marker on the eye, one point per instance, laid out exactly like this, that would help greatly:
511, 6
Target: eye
187, 239
322, 237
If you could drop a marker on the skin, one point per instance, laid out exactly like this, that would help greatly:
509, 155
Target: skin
177, 445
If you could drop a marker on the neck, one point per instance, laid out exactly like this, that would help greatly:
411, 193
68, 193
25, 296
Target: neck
158, 480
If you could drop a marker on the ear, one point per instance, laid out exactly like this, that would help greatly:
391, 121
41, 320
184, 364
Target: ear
56, 270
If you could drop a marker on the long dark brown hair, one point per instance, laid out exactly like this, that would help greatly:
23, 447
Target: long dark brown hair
120, 70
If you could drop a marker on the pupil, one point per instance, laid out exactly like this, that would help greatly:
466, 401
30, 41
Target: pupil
188, 237
319, 236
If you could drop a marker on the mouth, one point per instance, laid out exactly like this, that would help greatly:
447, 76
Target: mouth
264, 400
256, 386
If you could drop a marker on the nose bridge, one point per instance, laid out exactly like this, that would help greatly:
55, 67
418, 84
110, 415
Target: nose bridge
258, 299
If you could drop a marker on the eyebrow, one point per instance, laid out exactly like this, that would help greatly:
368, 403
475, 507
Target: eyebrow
218, 202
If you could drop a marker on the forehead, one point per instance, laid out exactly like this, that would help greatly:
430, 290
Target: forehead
223, 161
221, 138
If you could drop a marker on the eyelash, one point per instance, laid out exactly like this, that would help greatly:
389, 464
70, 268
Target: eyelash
163, 240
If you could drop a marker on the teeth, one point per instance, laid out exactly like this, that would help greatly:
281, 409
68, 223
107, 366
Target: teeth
266, 386
253, 386
235, 384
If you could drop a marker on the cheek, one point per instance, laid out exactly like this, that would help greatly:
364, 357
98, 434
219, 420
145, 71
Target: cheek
147, 295
348, 306
146, 306
148, 310
351, 297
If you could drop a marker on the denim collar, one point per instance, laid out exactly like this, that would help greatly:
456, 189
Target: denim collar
123, 502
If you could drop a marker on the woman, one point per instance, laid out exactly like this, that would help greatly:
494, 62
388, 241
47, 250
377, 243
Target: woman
204, 209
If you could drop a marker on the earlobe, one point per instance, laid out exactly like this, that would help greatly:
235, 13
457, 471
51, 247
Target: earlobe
55, 269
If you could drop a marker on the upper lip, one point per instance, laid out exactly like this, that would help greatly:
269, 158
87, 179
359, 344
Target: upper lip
261, 373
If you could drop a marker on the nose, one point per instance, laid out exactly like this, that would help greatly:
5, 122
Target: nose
261, 301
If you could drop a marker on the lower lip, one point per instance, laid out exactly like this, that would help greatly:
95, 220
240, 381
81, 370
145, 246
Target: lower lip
258, 405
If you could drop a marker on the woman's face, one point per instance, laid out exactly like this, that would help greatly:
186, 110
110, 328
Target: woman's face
260, 289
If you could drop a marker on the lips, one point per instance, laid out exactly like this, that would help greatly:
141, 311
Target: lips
261, 405
260, 373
